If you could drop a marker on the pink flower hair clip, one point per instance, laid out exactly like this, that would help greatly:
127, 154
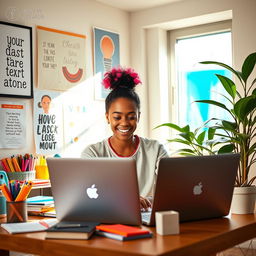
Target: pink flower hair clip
121, 77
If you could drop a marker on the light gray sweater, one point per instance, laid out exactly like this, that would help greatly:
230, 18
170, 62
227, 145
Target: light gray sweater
147, 157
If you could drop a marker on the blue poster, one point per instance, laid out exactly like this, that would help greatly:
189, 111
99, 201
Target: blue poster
106, 56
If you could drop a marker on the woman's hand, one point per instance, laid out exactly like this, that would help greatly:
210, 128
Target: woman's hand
144, 203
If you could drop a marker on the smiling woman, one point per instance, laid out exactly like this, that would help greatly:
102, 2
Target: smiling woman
123, 114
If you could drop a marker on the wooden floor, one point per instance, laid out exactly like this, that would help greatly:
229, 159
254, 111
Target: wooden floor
236, 251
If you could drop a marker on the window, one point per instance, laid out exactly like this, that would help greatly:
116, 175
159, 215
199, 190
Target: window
191, 80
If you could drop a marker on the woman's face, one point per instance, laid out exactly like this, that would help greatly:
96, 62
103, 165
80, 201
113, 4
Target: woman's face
45, 103
123, 116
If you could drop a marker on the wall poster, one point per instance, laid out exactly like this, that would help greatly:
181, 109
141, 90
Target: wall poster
106, 56
48, 122
61, 59
13, 124
16, 72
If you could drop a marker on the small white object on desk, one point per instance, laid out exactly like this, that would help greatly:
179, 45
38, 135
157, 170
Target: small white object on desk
167, 223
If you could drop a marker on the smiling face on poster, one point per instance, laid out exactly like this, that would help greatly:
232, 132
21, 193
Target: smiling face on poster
45, 103
48, 122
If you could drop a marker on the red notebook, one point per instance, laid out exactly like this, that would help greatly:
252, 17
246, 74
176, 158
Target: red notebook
122, 230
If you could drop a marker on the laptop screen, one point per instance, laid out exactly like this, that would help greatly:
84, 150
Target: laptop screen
97, 189
198, 187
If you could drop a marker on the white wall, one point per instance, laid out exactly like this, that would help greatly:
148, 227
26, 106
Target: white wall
146, 43
142, 40
78, 16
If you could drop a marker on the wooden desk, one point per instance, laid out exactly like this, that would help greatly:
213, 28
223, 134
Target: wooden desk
196, 238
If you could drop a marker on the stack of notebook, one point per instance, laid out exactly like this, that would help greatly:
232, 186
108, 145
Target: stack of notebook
41, 183
41, 205
71, 230
122, 232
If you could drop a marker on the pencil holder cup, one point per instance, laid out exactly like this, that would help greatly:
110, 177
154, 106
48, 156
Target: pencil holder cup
16, 211
30, 175
42, 172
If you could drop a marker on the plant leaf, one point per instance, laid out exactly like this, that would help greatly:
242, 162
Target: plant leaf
186, 128
201, 147
213, 102
229, 125
186, 150
248, 66
230, 139
252, 149
200, 138
188, 154
253, 82
179, 141
216, 141
211, 133
228, 99
224, 66
171, 125
228, 85
226, 149
186, 136
244, 106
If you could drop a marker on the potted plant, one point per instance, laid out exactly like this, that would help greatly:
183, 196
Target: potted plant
240, 133
237, 135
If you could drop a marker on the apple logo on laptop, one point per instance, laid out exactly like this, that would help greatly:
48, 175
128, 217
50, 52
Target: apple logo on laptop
197, 190
92, 192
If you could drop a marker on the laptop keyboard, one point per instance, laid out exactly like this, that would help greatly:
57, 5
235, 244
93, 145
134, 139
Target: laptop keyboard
145, 216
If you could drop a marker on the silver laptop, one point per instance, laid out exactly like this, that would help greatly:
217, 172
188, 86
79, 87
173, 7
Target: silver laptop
98, 189
198, 187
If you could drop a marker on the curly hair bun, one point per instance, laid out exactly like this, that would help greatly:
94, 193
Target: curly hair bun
121, 78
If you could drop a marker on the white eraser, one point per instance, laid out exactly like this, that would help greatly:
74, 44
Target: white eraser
167, 223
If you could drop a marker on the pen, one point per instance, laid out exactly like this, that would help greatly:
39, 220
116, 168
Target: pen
9, 161
34, 163
16, 189
26, 165
6, 192
71, 225
22, 165
12, 188
16, 164
5, 165
24, 191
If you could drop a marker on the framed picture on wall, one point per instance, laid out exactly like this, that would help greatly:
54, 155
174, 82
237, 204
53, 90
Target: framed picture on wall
61, 59
16, 67
106, 56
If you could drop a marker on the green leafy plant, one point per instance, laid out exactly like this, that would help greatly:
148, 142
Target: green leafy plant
240, 133
197, 142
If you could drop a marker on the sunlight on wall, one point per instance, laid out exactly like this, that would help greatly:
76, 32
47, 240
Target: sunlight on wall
83, 118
